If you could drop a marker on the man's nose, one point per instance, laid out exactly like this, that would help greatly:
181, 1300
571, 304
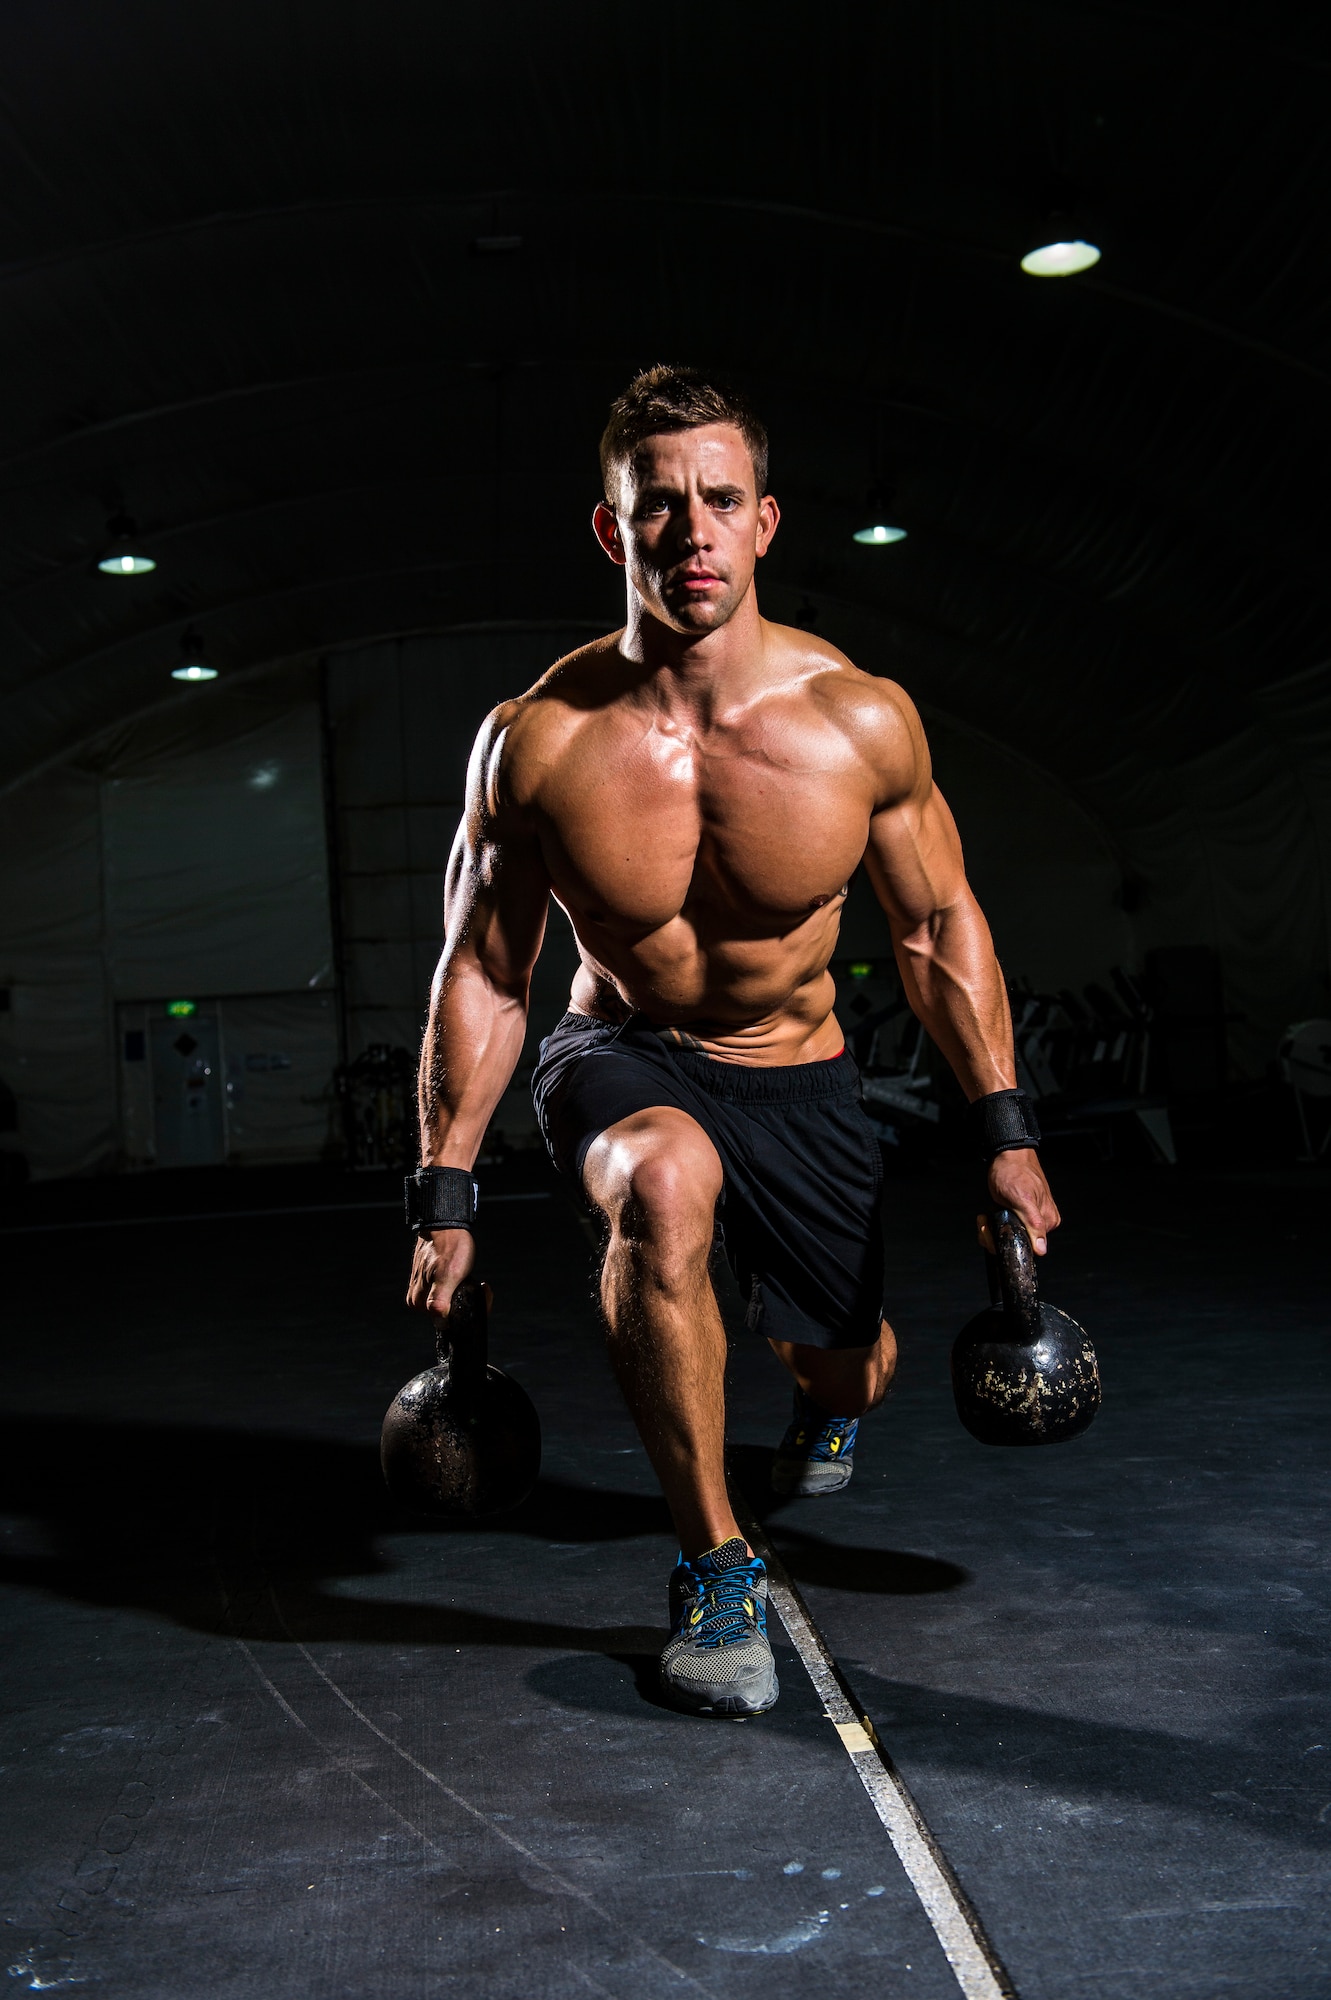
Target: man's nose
695, 525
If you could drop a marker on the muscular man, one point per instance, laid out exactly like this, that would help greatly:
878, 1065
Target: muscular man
696, 791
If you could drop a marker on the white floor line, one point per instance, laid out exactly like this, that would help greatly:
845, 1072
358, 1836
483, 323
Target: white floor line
235, 1214
977, 1966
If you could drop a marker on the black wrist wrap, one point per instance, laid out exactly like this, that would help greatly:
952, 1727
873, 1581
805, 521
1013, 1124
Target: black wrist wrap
1002, 1122
440, 1198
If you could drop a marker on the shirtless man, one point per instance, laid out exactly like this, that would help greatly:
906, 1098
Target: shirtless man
696, 791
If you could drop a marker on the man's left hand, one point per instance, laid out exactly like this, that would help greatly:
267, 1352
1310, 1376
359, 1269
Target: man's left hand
1016, 1181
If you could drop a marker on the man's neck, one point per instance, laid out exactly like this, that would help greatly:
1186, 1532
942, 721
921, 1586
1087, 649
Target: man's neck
698, 673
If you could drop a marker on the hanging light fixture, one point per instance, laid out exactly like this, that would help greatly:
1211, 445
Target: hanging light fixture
880, 505
194, 664
126, 555
1060, 260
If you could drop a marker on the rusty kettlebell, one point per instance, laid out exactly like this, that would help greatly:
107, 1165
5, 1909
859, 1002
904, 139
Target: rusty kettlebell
1022, 1372
462, 1438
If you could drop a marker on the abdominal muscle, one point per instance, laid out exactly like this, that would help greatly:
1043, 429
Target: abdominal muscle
765, 1014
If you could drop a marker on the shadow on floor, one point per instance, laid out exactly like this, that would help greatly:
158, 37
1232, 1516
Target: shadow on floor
243, 1535
810, 1559
1078, 1768
251, 1534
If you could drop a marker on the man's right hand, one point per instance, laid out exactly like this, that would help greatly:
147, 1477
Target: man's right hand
442, 1262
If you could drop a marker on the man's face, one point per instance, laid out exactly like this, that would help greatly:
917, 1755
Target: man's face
689, 526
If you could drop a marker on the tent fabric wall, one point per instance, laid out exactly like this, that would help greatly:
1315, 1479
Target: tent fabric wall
214, 852
182, 856
1233, 848
55, 1035
402, 717
1044, 868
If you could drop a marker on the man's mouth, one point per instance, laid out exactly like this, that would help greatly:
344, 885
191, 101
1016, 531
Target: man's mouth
696, 579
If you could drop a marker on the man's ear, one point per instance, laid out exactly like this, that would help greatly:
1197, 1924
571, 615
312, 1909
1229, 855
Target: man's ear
769, 514
605, 527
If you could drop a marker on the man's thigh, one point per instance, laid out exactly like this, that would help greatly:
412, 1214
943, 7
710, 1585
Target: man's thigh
803, 1217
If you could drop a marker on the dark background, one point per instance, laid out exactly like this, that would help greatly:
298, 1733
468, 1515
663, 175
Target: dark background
332, 301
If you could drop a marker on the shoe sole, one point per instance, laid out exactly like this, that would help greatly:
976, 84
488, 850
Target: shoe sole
794, 1479
729, 1709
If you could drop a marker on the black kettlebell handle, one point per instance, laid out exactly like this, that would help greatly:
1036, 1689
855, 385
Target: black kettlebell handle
1018, 1286
461, 1344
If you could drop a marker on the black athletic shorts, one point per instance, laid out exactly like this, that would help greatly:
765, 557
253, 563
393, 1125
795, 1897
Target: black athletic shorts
799, 1214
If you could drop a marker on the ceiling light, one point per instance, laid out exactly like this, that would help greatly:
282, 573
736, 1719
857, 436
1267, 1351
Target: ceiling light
126, 555
193, 661
876, 536
1060, 260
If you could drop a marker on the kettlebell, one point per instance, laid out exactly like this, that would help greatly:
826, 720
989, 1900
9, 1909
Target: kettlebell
1022, 1372
462, 1438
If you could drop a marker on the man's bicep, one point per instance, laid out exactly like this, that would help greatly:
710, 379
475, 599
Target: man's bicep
502, 911
914, 858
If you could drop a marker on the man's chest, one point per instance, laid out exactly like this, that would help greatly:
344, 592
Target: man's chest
643, 832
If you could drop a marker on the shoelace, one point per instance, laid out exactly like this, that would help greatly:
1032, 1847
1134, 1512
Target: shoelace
832, 1440
725, 1609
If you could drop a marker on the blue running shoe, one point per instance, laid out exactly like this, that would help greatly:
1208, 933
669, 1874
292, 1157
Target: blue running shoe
816, 1455
718, 1661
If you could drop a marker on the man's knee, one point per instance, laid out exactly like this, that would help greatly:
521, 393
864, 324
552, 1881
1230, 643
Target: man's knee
656, 1178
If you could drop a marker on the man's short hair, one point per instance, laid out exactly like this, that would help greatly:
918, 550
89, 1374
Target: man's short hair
676, 399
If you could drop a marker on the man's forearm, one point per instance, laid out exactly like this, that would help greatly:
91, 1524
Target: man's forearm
955, 987
472, 1046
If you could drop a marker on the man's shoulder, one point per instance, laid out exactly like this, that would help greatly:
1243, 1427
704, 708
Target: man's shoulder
876, 712
576, 683
531, 729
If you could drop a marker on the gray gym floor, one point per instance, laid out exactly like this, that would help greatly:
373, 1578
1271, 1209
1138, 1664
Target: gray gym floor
264, 1736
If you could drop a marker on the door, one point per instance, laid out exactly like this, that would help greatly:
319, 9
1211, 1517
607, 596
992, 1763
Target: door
187, 1093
